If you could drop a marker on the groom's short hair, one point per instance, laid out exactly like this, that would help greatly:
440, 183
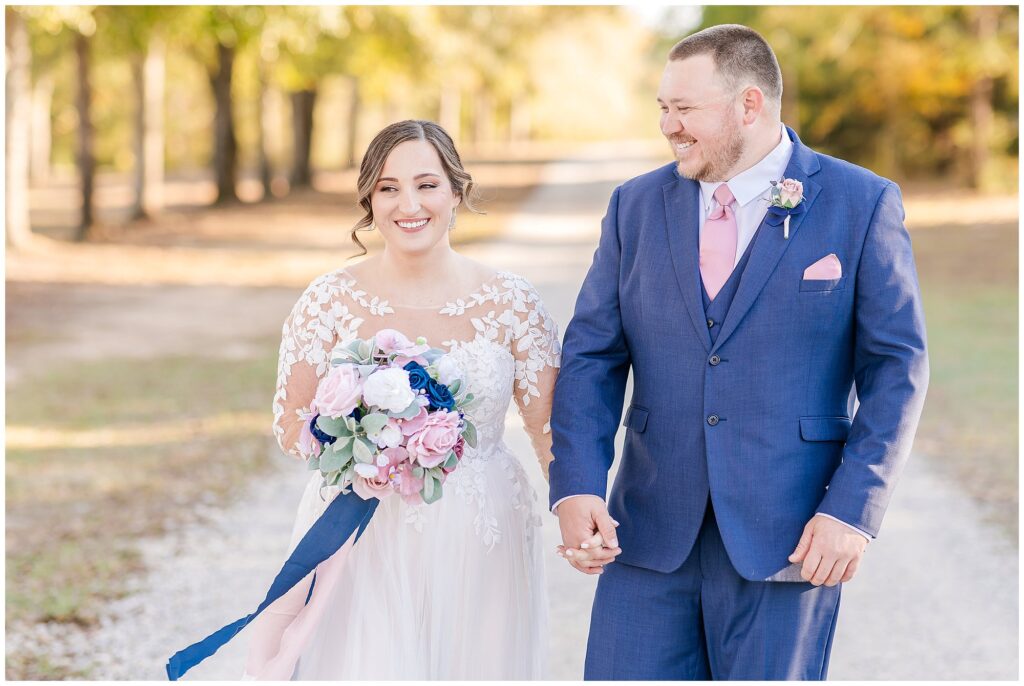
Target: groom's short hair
740, 55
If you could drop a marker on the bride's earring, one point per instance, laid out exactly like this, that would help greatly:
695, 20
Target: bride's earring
451, 224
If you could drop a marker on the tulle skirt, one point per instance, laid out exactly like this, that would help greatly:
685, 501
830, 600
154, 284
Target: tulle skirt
450, 590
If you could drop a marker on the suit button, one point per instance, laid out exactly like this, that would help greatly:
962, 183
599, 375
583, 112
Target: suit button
713, 419
711, 322
715, 359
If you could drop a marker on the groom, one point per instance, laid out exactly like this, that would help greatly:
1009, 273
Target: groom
748, 488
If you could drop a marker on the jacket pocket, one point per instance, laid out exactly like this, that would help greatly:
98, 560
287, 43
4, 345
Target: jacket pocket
819, 285
825, 428
636, 419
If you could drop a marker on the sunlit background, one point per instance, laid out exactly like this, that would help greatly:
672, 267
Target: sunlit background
176, 175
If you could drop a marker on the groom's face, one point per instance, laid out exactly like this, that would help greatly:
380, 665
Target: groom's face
700, 119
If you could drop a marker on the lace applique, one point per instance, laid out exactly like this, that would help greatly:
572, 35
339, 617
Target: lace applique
511, 354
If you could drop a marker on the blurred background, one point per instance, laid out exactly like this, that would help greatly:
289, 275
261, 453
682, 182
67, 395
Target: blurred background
176, 175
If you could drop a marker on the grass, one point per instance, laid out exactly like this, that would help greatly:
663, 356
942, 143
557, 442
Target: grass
73, 514
970, 422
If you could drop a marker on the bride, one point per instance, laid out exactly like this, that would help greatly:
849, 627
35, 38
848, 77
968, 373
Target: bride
454, 589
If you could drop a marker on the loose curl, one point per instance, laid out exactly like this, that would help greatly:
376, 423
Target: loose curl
387, 140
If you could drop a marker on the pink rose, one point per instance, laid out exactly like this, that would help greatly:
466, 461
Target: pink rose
792, 192
431, 445
339, 392
409, 485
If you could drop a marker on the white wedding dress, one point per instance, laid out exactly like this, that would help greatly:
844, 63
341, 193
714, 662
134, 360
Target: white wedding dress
451, 590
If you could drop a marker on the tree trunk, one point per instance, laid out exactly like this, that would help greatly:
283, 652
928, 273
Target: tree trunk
86, 159
984, 29
138, 136
302, 129
18, 94
41, 139
354, 109
225, 145
450, 111
263, 126
153, 127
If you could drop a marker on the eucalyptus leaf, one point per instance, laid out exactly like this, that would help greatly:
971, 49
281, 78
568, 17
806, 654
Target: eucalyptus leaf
418, 472
314, 463
352, 425
428, 488
435, 493
469, 433
333, 426
362, 451
409, 412
452, 460
333, 460
455, 386
374, 422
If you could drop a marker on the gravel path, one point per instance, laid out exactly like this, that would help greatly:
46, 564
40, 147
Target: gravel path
936, 596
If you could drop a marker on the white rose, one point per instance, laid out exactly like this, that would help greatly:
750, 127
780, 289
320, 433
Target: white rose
448, 370
388, 389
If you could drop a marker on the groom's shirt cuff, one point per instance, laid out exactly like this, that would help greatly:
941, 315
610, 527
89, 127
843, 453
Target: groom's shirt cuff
822, 514
554, 508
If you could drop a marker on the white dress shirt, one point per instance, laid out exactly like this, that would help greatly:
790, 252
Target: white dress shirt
752, 190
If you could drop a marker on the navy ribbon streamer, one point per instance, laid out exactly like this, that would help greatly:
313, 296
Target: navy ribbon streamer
345, 514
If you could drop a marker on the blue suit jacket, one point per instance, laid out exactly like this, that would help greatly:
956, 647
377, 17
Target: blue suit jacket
793, 356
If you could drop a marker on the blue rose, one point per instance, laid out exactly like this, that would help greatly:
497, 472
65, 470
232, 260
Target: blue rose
324, 438
418, 376
439, 395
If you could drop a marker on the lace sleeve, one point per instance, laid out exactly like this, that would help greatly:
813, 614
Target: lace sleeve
537, 352
314, 326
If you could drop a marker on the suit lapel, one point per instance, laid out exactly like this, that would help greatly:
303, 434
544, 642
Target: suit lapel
769, 243
682, 203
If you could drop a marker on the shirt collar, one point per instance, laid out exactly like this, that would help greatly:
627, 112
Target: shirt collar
751, 183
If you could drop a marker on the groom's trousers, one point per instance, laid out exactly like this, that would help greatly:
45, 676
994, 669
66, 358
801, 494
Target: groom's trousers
704, 621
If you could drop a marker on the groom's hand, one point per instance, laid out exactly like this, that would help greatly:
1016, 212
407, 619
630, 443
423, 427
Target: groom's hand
830, 551
588, 533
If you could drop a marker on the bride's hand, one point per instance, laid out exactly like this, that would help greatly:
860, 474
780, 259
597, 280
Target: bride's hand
591, 556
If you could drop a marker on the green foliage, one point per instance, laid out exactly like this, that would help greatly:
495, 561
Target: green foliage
887, 87
890, 87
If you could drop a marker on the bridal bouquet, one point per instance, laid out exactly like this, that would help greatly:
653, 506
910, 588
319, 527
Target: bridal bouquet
389, 418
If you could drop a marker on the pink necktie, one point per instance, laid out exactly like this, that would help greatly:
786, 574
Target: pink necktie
718, 243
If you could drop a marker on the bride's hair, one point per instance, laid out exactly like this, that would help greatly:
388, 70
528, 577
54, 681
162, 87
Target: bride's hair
386, 141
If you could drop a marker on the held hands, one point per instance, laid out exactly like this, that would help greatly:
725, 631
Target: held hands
830, 551
588, 533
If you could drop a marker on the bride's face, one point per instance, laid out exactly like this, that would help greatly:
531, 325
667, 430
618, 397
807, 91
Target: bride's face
413, 200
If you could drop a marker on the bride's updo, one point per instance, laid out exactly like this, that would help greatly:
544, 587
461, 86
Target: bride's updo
386, 141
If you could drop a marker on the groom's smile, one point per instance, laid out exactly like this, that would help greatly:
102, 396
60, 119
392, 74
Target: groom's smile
699, 119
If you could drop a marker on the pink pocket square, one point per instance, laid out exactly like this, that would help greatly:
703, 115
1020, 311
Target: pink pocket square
825, 269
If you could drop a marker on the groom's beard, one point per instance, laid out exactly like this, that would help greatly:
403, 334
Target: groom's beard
719, 158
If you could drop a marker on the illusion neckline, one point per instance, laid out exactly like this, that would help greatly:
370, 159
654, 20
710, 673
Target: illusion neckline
435, 308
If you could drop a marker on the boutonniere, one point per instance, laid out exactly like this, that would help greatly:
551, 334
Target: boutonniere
787, 196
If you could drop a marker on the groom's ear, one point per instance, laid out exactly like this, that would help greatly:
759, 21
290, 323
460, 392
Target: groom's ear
753, 104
